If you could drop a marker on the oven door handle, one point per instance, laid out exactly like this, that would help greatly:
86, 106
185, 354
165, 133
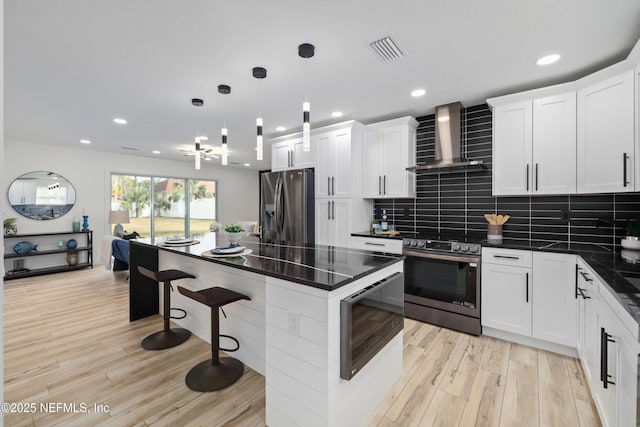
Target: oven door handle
443, 257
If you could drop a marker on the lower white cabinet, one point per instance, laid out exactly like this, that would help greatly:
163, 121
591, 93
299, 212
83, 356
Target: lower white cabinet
530, 294
333, 218
587, 320
377, 244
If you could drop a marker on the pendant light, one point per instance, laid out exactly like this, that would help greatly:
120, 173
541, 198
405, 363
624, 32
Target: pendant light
224, 90
306, 51
259, 73
197, 102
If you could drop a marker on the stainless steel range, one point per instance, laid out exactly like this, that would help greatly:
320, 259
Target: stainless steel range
442, 283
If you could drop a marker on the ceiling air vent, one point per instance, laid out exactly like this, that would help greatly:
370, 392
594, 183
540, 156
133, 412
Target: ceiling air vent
129, 148
387, 49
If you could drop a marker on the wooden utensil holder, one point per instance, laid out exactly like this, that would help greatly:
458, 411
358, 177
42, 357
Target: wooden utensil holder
494, 233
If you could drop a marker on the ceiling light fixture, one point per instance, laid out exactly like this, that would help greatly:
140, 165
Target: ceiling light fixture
155, 152
247, 165
259, 73
197, 102
306, 51
336, 114
549, 59
224, 90
120, 121
85, 141
418, 93
281, 128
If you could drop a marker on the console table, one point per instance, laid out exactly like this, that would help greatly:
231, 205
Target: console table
50, 258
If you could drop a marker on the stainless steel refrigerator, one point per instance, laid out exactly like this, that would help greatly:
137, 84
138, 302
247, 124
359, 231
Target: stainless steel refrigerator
287, 206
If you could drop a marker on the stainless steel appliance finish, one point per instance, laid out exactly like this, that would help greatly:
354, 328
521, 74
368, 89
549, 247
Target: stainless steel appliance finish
448, 153
442, 283
369, 319
287, 206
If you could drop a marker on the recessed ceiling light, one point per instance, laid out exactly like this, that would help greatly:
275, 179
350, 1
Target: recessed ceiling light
85, 141
336, 114
418, 92
247, 164
155, 152
119, 121
281, 128
549, 59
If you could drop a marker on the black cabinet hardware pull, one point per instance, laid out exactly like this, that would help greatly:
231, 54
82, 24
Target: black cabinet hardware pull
577, 268
506, 256
536, 177
527, 176
527, 280
374, 244
379, 184
384, 185
624, 169
605, 339
586, 277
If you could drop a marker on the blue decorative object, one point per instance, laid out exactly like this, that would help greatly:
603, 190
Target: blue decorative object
72, 244
85, 222
23, 248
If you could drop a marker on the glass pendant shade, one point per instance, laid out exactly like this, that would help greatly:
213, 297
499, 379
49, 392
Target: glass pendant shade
306, 127
197, 156
259, 141
224, 147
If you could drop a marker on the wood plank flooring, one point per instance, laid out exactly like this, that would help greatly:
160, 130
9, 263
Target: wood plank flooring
68, 339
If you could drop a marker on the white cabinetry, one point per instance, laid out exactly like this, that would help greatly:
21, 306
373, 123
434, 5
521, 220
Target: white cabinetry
389, 148
534, 146
377, 244
605, 132
288, 154
506, 293
637, 125
554, 298
333, 174
332, 222
530, 294
340, 208
587, 331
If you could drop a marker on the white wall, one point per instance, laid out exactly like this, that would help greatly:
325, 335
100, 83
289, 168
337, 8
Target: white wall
90, 173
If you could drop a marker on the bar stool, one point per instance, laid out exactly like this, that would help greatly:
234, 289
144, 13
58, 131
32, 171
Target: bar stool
219, 372
168, 337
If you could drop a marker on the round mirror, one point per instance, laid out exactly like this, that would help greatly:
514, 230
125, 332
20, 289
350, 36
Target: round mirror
41, 195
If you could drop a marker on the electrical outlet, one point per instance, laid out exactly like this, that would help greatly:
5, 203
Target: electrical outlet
294, 324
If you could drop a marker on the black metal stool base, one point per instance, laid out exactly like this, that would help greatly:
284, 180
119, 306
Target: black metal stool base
207, 377
165, 339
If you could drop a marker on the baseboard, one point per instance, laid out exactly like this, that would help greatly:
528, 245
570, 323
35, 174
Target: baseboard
531, 342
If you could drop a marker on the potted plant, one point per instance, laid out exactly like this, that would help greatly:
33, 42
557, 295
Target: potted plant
631, 239
10, 227
235, 233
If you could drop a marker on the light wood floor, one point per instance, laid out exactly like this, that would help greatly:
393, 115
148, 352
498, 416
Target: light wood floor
67, 339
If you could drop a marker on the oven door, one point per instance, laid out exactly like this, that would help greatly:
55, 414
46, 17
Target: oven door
446, 282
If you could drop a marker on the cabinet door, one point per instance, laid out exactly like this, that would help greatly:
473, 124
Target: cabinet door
394, 155
372, 164
506, 298
342, 183
605, 141
554, 144
512, 149
326, 166
302, 159
627, 361
554, 298
341, 214
637, 128
324, 223
607, 367
280, 156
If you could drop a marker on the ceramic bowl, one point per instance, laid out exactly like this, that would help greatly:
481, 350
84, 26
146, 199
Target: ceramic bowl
630, 242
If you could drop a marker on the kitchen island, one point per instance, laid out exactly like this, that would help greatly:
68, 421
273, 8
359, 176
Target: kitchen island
290, 330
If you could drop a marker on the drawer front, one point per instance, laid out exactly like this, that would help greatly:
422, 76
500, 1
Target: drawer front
375, 244
514, 257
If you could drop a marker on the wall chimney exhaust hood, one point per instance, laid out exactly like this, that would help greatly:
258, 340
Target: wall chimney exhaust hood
448, 157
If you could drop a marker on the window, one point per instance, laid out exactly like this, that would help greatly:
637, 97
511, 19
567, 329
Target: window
159, 206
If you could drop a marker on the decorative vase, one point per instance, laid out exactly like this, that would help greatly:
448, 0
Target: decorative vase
72, 258
76, 224
72, 244
85, 222
60, 244
630, 242
12, 231
234, 238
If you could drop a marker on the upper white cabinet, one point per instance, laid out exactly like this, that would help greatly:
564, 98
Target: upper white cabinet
637, 125
333, 173
389, 148
605, 127
534, 144
288, 154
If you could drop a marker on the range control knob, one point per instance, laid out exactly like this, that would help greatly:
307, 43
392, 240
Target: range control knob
421, 243
455, 247
465, 248
407, 242
474, 249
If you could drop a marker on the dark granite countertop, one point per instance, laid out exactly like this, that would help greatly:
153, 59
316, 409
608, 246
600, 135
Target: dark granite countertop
323, 267
620, 270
